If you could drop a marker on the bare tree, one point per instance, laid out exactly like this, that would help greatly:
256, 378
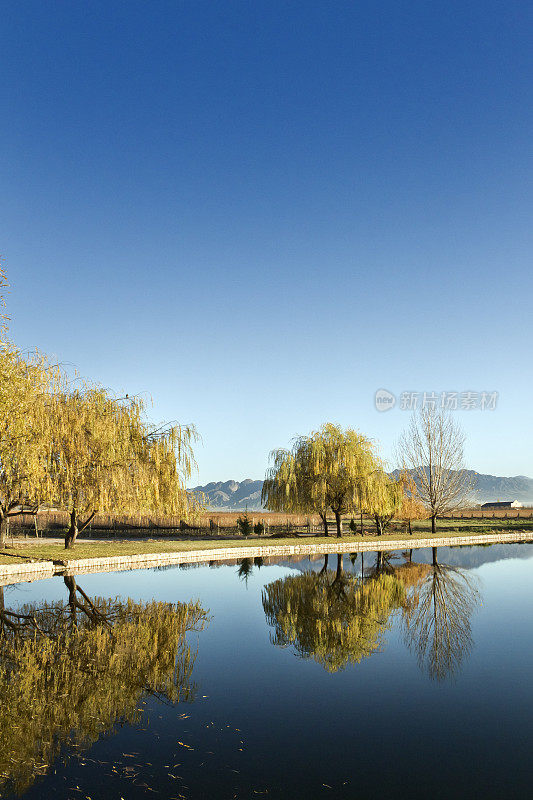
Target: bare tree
436, 618
431, 449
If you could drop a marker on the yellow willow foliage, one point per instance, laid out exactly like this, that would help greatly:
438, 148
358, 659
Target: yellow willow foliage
3, 318
286, 486
71, 681
26, 385
334, 621
105, 457
91, 450
412, 574
411, 507
342, 461
382, 497
326, 470
164, 461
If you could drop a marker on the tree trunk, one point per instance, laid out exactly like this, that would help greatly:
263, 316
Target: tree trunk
434, 559
70, 583
75, 527
362, 532
324, 519
72, 532
338, 520
325, 567
379, 526
2, 615
410, 530
3, 530
339, 566
411, 555
434, 523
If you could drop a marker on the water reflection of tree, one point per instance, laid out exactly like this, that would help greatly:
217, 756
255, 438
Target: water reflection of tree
332, 617
69, 671
383, 564
246, 567
436, 619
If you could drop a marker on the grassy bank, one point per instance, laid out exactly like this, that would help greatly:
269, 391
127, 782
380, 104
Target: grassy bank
466, 526
26, 549
10, 557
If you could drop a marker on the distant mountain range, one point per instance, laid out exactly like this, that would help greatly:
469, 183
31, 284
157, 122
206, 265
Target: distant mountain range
237, 496
487, 488
232, 495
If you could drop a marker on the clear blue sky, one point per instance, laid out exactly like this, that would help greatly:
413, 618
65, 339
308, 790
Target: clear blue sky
261, 212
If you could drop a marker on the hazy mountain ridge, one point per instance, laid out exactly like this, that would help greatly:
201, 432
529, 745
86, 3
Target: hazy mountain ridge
232, 495
491, 487
487, 488
239, 495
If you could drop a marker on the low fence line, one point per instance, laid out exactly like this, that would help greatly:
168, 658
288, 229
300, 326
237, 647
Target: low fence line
48, 521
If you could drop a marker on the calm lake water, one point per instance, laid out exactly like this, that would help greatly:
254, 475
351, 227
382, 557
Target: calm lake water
416, 683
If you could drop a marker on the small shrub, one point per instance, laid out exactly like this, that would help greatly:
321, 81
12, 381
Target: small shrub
244, 525
259, 528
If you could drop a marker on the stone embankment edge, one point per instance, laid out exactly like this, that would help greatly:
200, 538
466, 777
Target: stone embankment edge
78, 566
27, 570
44, 569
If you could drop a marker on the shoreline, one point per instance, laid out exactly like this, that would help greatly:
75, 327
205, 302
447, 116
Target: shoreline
41, 569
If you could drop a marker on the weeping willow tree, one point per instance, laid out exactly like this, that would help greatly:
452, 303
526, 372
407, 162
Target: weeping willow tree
82, 449
381, 499
333, 618
26, 385
106, 457
325, 471
26, 382
289, 484
69, 671
436, 619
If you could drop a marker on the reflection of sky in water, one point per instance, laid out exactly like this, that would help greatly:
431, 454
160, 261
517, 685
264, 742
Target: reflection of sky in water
380, 728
